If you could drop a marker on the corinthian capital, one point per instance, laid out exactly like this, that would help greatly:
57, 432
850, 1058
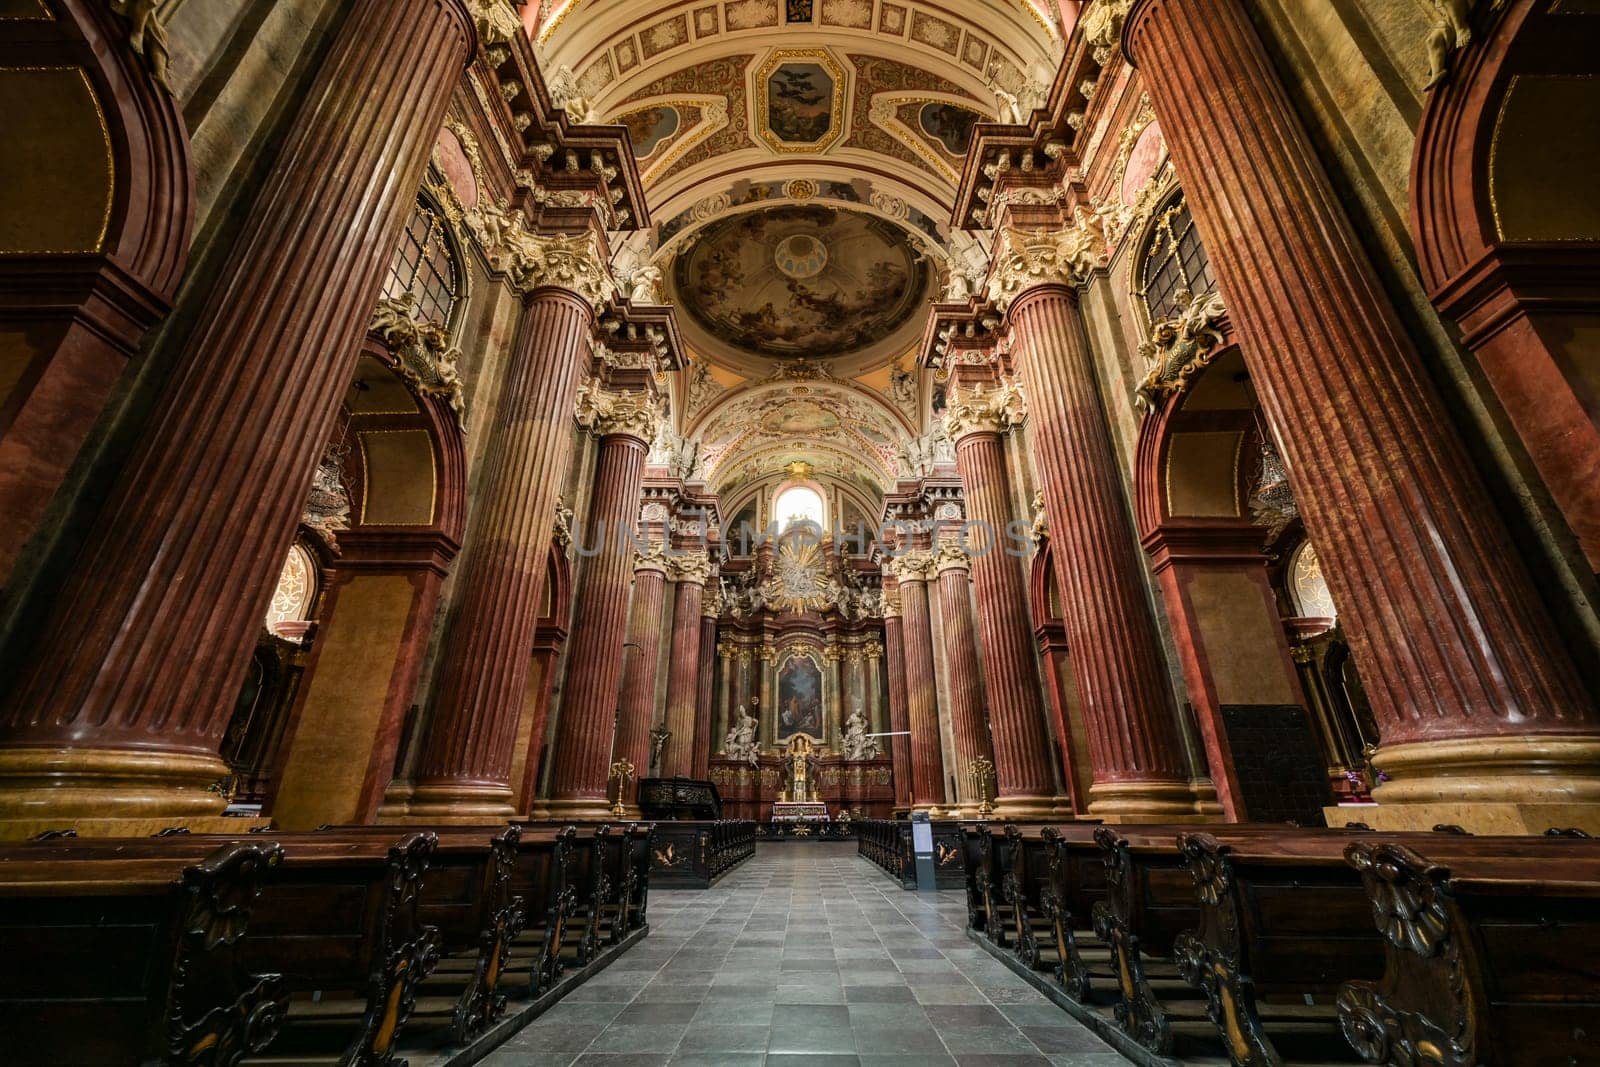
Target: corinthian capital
950, 557
1024, 260
914, 566
693, 568
984, 410
605, 413
496, 20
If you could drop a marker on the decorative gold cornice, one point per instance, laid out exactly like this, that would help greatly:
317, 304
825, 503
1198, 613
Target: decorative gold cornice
976, 410
949, 557
693, 568
1025, 260
424, 356
605, 413
1179, 349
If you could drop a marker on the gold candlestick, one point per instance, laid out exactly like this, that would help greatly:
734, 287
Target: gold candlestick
621, 772
982, 774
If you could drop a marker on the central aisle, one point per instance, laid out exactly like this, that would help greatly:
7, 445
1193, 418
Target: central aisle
807, 954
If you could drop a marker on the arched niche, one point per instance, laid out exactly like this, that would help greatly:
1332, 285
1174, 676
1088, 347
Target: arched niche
405, 469
94, 235
1199, 454
1507, 229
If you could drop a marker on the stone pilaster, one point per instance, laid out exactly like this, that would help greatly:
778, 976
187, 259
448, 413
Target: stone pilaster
138, 661
1484, 718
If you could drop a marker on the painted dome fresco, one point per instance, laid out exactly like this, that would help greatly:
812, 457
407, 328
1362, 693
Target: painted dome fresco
802, 281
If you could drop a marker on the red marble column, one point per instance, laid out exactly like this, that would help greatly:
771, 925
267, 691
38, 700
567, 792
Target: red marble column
914, 569
899, 717
138, 661
594, 663
1126, 694
1024, 786
966, 686
700, 757
465, 769
1477, 699
683, 674
638, 703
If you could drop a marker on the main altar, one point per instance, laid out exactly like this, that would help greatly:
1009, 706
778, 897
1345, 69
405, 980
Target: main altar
803, 781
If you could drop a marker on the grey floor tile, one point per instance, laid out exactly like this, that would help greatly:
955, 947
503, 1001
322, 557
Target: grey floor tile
719, 1038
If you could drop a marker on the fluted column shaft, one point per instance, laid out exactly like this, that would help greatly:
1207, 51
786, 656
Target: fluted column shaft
1454, 645
138, 662
683, 679
1126, 695
966, 688
899, 715
922, 699
594, 664
466, 763
1023, 782
638, 703
700, 756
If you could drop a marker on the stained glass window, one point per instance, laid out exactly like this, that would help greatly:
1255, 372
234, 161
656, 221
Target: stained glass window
1173, 259
424, 265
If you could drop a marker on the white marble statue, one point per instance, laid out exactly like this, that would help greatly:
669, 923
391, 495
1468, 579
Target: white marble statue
740, 744
858, 744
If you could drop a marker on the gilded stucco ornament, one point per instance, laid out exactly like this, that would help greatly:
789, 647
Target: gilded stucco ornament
1101, 26
425, 358
605, 413
146, 36
976, 410
532, 261
1024, 260
1180, 348
496, 20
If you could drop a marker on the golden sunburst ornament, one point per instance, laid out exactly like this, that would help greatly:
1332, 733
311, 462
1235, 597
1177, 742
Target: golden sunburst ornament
797, 574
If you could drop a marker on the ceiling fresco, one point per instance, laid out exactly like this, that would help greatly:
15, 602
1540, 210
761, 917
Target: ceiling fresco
802, 280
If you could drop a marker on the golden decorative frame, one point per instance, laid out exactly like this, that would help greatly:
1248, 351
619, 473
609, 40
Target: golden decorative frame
758, 99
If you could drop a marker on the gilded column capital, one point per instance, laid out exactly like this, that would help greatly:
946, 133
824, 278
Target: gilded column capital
1101, 26
833, 653
872, 649
693, 568
605, 413
891, 604
531, 260
496, 21
976, 410
914, 566
653, 558
1027, 259
951, 557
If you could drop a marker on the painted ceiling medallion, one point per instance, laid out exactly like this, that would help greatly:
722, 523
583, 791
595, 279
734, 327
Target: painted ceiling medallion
801, 281
800, 94
800, 256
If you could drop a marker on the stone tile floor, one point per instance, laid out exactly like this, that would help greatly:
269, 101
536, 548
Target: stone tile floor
805, 955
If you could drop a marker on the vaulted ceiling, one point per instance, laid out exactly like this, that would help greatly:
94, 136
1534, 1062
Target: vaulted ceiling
800, 158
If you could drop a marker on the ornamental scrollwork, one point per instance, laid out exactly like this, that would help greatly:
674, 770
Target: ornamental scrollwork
424, 356
1179, 349
1024, 260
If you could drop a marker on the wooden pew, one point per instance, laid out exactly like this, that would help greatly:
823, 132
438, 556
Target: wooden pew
133, 960
1492, 952
338, 922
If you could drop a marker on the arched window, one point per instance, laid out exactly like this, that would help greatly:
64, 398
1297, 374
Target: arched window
1173, 259
1307, 586
295, 593
424, 265
798, 504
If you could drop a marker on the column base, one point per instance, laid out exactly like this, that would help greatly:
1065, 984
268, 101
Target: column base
1033, 809
582, 809
448, 803
1488, 785
70, 788
1147, 802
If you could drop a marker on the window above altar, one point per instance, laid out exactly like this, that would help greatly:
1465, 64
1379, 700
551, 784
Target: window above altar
796, 505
